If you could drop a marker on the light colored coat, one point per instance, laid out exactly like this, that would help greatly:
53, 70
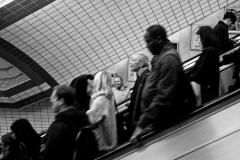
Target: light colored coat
102, 113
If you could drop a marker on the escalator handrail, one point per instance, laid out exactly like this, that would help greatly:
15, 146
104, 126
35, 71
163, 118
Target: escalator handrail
221, 53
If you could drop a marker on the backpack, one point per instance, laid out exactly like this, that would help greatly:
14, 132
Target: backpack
85, 144
85, 147
24, 152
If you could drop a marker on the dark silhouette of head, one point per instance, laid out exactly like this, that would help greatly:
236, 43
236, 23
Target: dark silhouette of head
156, 38
231, 16
82, 96
23, 130
207, 36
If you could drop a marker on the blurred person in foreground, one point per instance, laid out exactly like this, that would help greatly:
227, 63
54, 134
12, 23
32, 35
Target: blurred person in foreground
60, 136
163, 102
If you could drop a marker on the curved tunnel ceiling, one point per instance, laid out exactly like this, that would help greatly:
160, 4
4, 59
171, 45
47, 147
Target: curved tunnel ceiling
22, 80
10, 76
70, 37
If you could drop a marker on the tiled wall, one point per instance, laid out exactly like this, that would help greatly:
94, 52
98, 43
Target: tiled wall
72, 37
39, 114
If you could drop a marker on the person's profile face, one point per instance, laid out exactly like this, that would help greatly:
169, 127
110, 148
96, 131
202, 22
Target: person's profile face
89, 87
147, 38
197, 41
229, 22
134, 64
56, 103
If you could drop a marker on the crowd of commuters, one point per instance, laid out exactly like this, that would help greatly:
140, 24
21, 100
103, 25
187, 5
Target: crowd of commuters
85, 124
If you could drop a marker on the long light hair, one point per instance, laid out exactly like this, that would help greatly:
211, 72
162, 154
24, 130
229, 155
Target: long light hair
102, 83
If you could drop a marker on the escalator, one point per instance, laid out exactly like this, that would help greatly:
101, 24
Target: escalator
203, 133
209, 130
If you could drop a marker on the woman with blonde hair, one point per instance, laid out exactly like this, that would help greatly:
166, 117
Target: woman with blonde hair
102, 112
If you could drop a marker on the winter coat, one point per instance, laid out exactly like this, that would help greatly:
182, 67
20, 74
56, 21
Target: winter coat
167, 95
206, 73
223, 41
60, 137
102, 113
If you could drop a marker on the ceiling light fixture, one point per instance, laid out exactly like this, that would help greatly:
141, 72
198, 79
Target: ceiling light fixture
4, 2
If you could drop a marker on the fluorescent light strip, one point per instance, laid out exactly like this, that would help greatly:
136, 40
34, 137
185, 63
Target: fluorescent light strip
4, 2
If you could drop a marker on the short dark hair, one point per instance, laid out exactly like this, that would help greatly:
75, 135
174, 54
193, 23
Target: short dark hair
156, 32
207, 36
231, 16
66, 93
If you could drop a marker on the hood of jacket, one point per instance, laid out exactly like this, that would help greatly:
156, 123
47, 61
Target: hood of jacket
98, 94
222, 23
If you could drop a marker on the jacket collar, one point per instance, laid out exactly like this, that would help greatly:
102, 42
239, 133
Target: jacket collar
222, 23
98, 94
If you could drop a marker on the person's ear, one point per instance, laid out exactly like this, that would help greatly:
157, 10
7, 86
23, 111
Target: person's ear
61, 101
140, 63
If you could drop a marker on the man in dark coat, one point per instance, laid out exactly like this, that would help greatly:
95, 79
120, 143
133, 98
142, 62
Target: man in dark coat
221, 31
163, 102
139, 64
60, 137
